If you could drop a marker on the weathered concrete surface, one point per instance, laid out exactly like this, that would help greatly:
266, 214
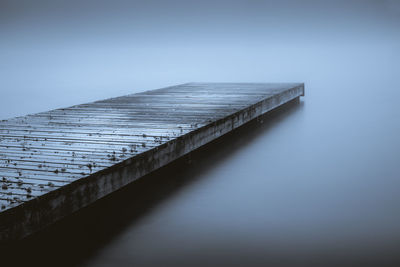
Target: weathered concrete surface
54, 163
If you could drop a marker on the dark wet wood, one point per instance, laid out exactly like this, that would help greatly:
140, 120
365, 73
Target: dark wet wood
42, 152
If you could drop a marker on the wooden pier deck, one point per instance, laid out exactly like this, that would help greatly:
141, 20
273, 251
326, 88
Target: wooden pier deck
56, 162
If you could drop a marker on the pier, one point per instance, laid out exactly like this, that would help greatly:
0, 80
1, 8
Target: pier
56, 162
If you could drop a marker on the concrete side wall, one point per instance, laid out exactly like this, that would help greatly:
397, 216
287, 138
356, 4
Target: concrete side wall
40, 212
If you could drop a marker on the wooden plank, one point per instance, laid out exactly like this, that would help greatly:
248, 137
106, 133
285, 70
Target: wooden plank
54, 163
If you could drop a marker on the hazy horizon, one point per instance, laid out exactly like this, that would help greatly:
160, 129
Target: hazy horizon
61, 53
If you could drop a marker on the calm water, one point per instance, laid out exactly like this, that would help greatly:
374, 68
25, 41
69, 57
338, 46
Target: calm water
315, 183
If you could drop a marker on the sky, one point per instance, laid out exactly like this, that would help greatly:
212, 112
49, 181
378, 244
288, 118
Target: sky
61, 53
